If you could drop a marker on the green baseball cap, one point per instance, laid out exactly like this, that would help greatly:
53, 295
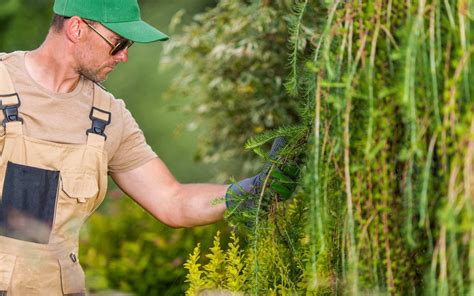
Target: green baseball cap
120, 16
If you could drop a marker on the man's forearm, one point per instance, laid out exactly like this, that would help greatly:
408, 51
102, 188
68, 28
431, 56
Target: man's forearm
201, 204
178, 205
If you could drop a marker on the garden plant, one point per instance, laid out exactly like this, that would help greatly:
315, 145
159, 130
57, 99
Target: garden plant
375, 98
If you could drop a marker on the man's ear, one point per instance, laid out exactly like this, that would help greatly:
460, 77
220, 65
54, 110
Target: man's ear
74, 29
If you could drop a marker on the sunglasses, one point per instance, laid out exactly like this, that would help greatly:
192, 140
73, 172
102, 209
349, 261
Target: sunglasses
116, 48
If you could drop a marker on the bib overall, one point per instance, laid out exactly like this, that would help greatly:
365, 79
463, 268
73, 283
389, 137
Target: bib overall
48, 190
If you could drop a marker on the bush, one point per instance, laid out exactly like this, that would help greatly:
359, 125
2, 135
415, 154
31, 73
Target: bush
125, 248
386, 87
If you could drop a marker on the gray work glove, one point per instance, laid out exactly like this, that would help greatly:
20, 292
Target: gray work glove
281, 182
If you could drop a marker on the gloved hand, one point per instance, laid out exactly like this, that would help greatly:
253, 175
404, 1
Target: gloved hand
282, 181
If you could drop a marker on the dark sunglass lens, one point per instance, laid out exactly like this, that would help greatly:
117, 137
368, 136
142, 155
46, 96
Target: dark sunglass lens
121, 46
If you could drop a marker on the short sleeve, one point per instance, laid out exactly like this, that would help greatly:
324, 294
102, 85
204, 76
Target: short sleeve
133, 150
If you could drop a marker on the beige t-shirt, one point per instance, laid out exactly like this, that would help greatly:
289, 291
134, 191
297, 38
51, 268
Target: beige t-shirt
64, 118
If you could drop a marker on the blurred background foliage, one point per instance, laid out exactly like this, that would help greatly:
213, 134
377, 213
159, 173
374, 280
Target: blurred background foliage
234, 65
123, 247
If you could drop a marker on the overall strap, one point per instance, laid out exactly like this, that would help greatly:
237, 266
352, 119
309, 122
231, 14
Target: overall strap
100, 116
9, 102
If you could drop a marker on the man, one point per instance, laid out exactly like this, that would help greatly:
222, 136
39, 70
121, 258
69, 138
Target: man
62, 136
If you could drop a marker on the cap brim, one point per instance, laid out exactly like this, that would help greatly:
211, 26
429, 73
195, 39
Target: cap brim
137, 31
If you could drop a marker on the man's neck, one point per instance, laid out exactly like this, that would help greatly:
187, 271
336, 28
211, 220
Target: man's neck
52, 68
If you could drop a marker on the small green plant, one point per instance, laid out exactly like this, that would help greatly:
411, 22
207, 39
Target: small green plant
214, 268
235, 266
223, 271
194, 276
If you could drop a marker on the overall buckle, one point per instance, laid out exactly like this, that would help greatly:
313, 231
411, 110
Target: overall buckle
98, 122
10, 111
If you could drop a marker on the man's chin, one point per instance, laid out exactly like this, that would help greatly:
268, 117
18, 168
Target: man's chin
99, 76
101, 79
96, 78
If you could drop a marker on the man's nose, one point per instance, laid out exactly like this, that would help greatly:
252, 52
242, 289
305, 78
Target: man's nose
122, 56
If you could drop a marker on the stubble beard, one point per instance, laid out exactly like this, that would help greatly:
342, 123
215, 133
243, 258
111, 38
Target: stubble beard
88, 71
92, 74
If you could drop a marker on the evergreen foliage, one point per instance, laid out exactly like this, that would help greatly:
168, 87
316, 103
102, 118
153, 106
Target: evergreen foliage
384, 91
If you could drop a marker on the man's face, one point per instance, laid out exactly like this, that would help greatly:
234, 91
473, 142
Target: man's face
93, 54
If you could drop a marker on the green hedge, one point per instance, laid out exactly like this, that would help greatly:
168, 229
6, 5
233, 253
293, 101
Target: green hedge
385, 90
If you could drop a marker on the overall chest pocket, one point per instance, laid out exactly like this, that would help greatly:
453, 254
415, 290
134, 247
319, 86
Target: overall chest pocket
80, 187
77, 198
28, 203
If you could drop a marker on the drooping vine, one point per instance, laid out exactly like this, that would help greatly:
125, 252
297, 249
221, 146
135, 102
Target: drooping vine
385, 118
